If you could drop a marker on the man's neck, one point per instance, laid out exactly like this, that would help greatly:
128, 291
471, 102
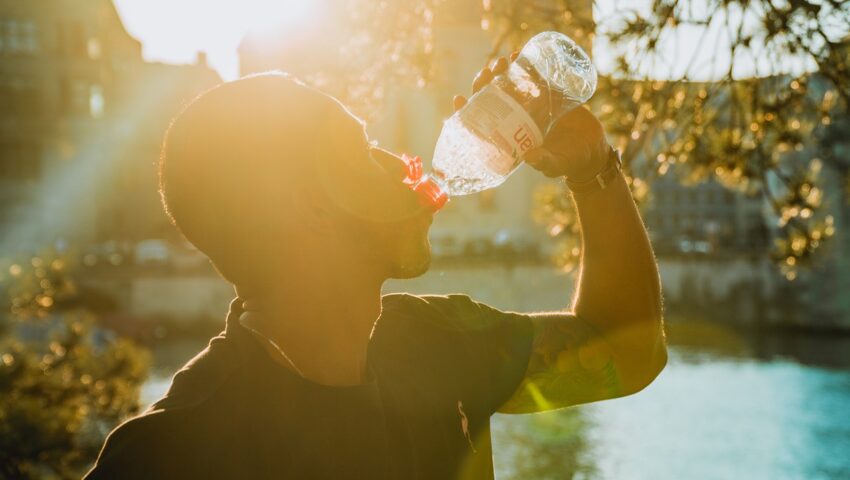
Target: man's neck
322, 324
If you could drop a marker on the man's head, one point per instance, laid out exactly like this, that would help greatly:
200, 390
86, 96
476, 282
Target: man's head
265, 174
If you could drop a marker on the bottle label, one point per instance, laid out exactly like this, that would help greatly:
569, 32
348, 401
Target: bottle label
499, 118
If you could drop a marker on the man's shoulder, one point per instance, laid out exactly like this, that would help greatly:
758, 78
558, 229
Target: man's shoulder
161, 440
203, 377
453, 347
430, 303
145, 446
454, 311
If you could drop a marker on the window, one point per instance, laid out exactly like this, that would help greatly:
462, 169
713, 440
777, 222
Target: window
28, 39
96, 101
18, 36
10, 36
93, 48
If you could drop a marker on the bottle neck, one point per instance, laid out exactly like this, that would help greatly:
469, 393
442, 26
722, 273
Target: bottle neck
432, 192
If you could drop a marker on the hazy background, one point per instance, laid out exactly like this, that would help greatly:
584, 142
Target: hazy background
732, 119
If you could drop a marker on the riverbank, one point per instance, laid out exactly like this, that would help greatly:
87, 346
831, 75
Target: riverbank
742, 291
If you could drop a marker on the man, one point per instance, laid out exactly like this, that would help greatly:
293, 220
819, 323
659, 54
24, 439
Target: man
317, 376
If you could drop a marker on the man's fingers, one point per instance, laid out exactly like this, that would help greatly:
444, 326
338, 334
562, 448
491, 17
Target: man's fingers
514, 55
476, 81
458, 102
500, 66
483, 78
544, 161
538, 156
534, 156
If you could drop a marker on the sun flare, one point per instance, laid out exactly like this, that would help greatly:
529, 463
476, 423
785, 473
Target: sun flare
175, 32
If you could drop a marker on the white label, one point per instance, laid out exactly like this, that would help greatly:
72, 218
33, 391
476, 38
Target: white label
499, 118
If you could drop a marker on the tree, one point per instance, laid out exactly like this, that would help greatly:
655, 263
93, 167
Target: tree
763, 125
761, 114
65, 382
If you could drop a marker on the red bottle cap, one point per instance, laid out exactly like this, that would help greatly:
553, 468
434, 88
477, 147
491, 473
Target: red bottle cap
430, 192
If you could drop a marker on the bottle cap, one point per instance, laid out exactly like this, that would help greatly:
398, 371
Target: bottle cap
431, 193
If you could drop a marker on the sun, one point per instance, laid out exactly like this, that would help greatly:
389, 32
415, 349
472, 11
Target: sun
259, 16
174, 32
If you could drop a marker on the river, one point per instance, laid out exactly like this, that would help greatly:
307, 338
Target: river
728, 405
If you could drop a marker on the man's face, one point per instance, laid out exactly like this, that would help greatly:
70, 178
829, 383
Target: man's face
385, 222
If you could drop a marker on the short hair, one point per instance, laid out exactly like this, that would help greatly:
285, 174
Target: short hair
232, 159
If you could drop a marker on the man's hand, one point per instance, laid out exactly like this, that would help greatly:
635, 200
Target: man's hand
575, 147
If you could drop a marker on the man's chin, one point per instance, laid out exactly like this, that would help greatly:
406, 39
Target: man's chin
412, 268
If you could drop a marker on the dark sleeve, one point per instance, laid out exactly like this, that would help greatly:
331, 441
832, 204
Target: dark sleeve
491, 347
144, 447
509, 342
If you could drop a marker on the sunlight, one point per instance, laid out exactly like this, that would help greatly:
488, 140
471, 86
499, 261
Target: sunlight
174, 32
263, 15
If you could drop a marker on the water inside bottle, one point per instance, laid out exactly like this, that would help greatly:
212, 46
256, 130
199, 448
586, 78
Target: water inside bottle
481, 145
462, 160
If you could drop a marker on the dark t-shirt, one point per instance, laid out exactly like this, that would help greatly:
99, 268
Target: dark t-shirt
440, 367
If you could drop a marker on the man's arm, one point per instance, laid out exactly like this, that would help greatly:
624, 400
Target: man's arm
612, 342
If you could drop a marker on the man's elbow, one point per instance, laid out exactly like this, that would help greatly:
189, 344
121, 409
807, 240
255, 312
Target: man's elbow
643, 366
648, 373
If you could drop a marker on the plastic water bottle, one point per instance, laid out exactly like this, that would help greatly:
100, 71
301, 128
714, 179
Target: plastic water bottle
483, 142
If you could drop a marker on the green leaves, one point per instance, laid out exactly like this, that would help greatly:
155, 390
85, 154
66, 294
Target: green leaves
762, 126
66, 382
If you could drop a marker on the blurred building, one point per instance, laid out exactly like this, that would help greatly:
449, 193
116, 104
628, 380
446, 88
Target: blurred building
82, 120
705, 218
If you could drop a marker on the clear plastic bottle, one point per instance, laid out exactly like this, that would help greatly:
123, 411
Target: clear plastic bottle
483, 142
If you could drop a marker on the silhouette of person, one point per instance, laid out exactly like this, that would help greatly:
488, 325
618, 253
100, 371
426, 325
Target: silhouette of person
316, 374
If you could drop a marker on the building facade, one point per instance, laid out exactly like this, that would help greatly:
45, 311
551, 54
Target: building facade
704, 218
81, 126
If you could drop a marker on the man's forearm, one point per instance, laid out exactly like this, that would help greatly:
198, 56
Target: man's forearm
619, 290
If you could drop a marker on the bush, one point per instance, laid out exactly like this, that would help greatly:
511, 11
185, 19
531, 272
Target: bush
64, 381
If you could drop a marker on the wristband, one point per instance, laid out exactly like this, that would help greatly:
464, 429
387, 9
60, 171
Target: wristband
613, 166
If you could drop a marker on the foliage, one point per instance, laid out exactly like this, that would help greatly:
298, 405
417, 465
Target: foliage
65, 382
377, 55
758, 116
758, 106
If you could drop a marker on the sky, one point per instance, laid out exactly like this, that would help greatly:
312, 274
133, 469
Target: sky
174, 31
